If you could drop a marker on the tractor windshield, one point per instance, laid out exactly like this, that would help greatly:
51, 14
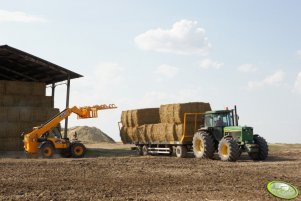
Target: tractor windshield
218, 119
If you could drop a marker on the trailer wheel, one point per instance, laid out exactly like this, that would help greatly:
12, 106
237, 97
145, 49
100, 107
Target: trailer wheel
145, 150
203, 145
228, 150
46, 150
263, 151
139, 150
181, 151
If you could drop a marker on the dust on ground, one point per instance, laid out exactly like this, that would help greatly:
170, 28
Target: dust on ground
114, 172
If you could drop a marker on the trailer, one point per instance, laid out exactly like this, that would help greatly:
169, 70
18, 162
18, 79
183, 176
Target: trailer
180, 147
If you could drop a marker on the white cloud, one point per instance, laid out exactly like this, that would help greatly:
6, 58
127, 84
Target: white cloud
299, 54
209, 64
247, 68
272, 80
103, 83
17, 16
167, 71
184, 37
298, 83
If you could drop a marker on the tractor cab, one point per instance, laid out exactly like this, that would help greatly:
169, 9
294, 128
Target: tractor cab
219, 118
216, 121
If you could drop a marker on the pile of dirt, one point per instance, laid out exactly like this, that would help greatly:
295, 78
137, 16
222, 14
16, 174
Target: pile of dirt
168, 129
89, 135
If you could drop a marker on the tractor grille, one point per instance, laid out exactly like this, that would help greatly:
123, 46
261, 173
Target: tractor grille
247, 134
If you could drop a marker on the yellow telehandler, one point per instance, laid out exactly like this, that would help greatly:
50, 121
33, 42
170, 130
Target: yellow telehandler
45, 139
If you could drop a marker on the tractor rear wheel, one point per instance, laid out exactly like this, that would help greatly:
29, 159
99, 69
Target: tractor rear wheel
203, 145
46, 150
77, 150
228, 150
181, 151
263, 149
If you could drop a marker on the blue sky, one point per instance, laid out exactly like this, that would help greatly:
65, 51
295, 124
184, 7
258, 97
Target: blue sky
145, 53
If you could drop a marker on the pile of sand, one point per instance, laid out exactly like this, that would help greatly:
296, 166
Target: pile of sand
89, 135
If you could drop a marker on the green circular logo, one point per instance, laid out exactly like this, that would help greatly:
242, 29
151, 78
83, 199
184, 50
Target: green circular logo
282, 190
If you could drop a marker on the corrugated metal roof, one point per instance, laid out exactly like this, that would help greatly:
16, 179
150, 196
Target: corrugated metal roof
18, 65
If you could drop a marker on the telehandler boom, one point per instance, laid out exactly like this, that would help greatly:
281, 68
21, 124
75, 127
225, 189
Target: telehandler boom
44, 139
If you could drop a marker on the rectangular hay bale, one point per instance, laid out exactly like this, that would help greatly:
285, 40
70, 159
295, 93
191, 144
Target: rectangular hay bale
124, 118
25, 101
2, 87
11, 144
129, 135
13, 114
174, 113
124, 135
132, 118
25, 88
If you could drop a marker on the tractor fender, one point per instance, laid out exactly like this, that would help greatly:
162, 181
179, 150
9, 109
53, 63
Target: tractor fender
203, 129
228, 136
44, 142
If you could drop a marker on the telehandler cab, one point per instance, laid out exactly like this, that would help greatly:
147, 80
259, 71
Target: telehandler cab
221, 133
45, 139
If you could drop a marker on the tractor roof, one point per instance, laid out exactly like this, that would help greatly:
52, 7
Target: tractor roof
218, 111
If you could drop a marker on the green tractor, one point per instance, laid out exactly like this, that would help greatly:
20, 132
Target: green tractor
221, 133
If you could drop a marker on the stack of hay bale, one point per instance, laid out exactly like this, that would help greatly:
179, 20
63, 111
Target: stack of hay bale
169, 127
23, 105
134, 121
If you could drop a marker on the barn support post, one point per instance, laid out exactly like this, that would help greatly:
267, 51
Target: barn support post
67, 106
52, 94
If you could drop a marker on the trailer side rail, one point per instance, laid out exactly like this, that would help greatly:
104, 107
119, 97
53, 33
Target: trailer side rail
187, 137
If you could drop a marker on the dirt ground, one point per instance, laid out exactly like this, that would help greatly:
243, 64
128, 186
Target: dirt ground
114, 172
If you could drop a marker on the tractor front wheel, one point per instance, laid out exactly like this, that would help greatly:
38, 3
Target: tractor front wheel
46, 150
77, 150
263, 149
228, 150
203, 145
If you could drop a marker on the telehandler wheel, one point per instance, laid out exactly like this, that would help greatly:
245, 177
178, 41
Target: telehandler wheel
203, 145
139, 150
181, 151
46, 151
77, 150
145, 150
263, 151
228, 150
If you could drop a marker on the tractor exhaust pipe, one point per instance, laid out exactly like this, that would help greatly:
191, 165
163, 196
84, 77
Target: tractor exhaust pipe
235, 114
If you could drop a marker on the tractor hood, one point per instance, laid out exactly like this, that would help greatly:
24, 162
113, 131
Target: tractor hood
241, 133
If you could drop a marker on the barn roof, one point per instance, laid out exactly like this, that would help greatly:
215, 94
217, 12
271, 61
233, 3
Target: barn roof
18, 65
